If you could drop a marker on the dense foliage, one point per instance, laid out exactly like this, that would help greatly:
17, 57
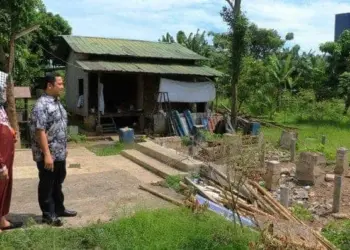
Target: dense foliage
273, 72
33, 51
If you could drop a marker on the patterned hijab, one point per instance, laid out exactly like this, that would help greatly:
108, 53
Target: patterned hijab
3, 84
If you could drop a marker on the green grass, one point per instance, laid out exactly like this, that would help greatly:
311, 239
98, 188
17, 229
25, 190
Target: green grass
310, 135
302, 213
79, 138
159, 229
107, 150
338, 233
173, 181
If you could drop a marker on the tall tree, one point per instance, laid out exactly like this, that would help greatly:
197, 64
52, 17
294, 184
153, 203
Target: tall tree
17, 19
196, 42
263, 42
338, 58
238, 25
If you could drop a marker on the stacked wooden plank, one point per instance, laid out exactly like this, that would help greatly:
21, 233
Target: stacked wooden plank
252, 200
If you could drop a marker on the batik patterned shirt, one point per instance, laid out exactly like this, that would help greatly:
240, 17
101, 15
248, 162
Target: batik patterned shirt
49, 114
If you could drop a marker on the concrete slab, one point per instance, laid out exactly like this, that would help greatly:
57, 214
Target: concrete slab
101, 189
151, 164
169, 156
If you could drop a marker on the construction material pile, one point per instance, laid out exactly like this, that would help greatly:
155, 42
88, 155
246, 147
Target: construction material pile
249, 200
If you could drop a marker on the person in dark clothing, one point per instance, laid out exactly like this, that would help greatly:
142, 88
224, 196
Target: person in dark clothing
48, 128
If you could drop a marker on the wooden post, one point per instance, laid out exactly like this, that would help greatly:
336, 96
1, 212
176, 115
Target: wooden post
262, 154
323, 140
11, 109
25, 109
140, 100
284, 197
293, 149
337, 193
98, 126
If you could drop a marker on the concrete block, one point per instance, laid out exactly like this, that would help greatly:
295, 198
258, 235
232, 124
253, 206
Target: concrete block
273, 175
342, 162
305, 168
286, 139
169, 156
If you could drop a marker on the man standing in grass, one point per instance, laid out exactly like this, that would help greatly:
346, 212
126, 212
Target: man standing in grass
48, 128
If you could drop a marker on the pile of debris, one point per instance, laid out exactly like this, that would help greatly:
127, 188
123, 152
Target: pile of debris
250, 200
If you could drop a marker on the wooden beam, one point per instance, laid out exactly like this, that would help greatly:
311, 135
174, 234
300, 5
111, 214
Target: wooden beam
26, 31
140, 100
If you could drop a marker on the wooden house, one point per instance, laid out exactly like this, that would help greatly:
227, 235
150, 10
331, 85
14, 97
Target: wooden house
112, 83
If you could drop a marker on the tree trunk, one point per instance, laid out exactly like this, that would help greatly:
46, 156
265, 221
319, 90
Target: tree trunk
234, 84
237, 57
11, 107
347, 104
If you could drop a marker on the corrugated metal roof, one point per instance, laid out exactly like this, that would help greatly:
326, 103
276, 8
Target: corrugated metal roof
131, 48
166, 69
22, 92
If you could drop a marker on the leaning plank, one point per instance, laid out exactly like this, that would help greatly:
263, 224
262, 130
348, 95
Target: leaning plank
200, 190
163, 196
323, 240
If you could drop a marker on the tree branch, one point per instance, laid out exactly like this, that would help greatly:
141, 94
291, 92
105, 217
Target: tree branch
231, 3
26, 31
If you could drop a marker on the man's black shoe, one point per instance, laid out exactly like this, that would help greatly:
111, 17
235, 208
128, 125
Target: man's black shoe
67, 213
52, 221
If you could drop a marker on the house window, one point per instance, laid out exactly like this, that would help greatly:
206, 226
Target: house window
81, 86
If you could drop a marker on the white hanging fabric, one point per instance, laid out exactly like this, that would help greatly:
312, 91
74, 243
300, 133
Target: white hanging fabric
189, 92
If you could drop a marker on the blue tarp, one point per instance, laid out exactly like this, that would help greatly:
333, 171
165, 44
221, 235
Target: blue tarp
228, 214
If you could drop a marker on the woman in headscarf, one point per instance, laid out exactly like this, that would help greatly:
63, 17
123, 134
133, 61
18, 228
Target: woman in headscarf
7, 152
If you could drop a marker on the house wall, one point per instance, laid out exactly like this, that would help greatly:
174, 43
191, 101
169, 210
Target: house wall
73, 74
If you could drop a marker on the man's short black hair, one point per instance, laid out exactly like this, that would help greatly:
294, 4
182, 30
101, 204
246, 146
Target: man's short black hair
50, 78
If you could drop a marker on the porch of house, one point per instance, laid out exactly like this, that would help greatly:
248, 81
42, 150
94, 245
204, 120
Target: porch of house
122, 104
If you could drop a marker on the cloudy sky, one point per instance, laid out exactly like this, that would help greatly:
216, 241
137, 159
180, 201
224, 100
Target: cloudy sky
312, 22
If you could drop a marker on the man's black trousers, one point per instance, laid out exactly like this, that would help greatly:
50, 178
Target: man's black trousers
51, 198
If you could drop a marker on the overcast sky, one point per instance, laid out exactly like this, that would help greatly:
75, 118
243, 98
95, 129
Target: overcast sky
312, 22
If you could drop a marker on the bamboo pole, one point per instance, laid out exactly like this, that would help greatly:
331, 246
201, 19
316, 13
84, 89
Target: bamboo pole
323, 240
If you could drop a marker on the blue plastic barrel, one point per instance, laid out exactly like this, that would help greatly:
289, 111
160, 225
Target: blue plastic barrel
126, 135
255, 128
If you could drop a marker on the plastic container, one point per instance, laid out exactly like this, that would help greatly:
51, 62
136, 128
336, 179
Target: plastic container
255, 128
126, 135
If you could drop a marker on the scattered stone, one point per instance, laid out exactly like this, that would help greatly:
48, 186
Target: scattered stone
301, 194
329, 177
305, 168
300, 203
312, 194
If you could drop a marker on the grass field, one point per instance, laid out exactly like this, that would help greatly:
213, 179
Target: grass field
310, 133
160, 229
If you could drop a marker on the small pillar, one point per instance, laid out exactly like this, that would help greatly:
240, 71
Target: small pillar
273, 175
342, 163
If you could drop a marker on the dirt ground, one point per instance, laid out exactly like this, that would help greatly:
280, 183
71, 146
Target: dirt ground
100, 189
